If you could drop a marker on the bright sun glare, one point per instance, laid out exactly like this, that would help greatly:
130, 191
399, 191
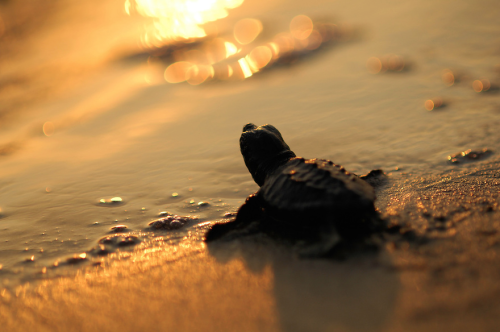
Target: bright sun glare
179, 19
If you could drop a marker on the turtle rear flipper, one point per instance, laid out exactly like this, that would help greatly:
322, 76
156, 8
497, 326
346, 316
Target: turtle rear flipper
375, 178
247, 221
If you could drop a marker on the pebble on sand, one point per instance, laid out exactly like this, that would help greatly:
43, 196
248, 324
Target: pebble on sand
76, 259
119, 228
448, 77
111, 201
171, 222
386, 63
164, 214
435, 103
481, 85
118, 240
30, 259
468, 156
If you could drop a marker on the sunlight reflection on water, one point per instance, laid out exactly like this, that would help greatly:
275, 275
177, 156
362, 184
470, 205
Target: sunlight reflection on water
177, 36
179, 19
238, 57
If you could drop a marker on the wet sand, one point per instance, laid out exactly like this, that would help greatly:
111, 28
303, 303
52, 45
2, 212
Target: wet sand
449, 283
117, 129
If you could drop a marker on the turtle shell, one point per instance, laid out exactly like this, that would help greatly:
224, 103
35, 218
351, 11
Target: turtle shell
309, 192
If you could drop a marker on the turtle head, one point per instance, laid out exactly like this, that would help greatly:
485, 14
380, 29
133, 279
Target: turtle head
263, 150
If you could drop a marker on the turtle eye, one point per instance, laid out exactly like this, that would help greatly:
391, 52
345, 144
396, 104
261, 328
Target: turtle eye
249, 126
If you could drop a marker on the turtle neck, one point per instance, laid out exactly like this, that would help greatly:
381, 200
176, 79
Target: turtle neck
263, 169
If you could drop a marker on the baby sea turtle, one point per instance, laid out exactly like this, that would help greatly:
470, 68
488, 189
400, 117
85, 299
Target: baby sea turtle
313, 202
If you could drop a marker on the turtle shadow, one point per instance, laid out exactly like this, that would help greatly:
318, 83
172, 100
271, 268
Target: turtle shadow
318, 294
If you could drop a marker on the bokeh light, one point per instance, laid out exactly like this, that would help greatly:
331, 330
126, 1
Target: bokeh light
374, 65
245, 67
178, 72
48, 128
301, 27
314, 40
240, 56
246, 30
259, 57
231, 49
198, 74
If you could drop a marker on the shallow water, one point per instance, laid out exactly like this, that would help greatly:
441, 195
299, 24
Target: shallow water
118, 129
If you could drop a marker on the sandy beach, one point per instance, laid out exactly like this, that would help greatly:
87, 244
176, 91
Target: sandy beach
450, 283
89, 111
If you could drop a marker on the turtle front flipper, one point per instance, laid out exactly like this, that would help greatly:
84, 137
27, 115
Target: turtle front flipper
246, 222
